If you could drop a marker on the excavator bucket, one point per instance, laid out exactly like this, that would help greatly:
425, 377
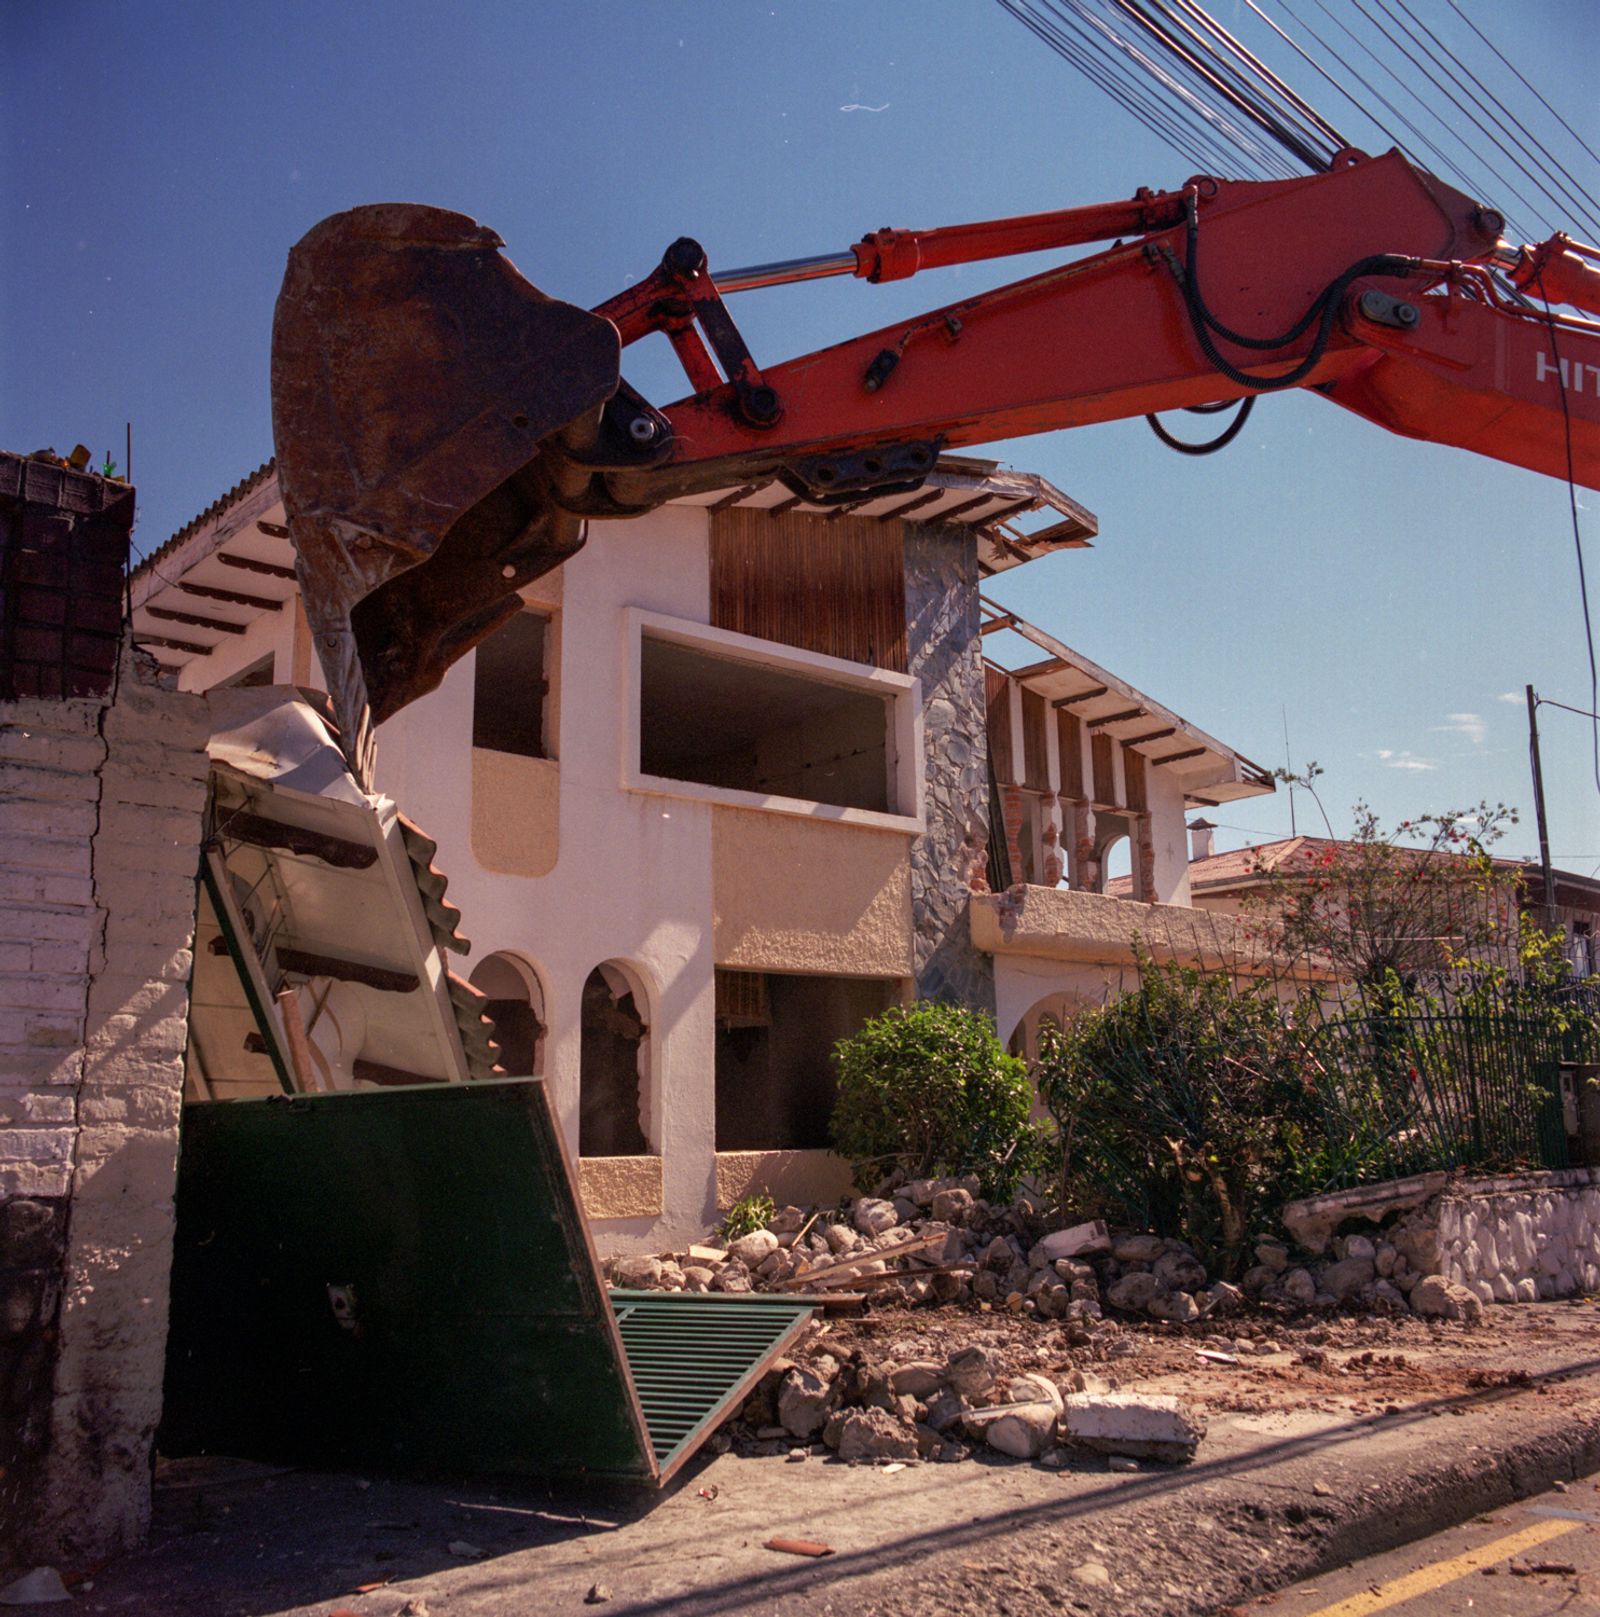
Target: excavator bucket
417, 383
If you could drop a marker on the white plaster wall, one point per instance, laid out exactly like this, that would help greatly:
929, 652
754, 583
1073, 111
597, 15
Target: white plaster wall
1021, 981
633, 875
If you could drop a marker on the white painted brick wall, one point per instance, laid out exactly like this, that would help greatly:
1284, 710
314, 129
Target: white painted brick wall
100, 822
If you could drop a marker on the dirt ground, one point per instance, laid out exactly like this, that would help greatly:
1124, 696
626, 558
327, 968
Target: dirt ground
1347, 1434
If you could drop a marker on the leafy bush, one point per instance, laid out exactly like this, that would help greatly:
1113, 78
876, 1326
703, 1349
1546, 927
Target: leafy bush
1181, 1105
928, 1089
747, 1215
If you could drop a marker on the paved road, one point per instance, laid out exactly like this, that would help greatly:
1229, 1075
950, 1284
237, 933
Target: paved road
1541, 1556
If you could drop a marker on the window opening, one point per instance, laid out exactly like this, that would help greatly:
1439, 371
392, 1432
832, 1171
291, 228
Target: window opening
612, 1067
723, 721
774, 1054
509, 687
516, 1006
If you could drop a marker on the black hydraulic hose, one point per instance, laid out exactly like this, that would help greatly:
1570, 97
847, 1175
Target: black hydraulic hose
1324, 310
1223, 438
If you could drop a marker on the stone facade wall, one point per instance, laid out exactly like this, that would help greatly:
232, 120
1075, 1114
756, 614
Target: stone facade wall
1521, 1238
101, 803
945, 653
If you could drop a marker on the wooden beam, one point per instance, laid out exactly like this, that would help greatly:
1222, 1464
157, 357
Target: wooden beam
1047, 665
252, 974
249, 564
195, 620
965, 506
209, 592
1117, 718
261, 832
169, 644
273, 530
914, 503
1178, 757
1082, 696
1006, 620
1149, 735
738, 494
1015, 509
305, 963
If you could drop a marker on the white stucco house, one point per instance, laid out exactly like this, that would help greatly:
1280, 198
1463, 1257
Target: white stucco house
743, 773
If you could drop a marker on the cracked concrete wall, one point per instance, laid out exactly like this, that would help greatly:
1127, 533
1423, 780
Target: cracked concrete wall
945, 653
101, 804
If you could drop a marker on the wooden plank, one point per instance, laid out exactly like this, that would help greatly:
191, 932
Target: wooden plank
249, 564
309, 964
825, 585
260, 832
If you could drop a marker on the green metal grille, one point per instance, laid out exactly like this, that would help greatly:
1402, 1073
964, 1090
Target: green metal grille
694, 1356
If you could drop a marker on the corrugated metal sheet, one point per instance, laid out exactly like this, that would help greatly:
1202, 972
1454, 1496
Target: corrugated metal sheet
693, 1358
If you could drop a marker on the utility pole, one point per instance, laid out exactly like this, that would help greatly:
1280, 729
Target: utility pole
1538, 809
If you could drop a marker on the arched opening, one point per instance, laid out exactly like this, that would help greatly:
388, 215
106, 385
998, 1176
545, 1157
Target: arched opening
613, 1065
516, 1004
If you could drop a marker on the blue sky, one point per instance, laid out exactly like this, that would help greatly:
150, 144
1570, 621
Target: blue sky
158, 158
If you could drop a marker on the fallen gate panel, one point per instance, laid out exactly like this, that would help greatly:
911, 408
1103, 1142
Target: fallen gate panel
405, 1280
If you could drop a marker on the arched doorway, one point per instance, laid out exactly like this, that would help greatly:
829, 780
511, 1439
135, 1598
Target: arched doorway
613, 1065
516, 1003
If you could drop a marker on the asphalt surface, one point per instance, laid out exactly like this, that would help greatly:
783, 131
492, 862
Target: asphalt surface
1542, 1555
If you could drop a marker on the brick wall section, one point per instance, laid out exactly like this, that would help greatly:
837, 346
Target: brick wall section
101, 807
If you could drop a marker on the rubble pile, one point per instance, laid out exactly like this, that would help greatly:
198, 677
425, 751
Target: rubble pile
936, 1241
943, 1409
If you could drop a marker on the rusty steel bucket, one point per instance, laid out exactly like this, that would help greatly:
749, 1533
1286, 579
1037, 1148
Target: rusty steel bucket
416, 376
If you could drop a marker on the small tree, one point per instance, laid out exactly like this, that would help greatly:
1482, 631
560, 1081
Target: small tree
1389, 908
928, 1089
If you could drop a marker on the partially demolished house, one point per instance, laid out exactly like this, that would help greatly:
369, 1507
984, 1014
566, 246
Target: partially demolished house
743, 773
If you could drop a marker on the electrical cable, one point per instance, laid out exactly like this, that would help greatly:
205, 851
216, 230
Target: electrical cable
1459, 105
1536, 95
1577, 531
1157, 119
1211, 77
1211, 117
1212, 445
1571, 195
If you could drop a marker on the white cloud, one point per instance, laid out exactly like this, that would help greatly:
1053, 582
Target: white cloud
1404, 760
1518, 697
1470, 725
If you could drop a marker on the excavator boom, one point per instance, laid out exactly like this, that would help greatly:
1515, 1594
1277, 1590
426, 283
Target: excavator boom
443, 429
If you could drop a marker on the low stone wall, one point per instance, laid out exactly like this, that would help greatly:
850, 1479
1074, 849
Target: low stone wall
1507, 1238
1522, 1237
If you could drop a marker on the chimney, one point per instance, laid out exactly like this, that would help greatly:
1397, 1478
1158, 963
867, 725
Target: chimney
1200, 839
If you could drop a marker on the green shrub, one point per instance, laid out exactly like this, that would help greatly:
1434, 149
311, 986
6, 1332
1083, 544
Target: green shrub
928, 1089
746, 1216
1182, 1105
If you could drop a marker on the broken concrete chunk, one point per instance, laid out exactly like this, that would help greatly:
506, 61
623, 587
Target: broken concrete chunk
873, 1216
1436, 1298
636, 1274
1178, 1307
803, 1397
1036, 1389
1137, 1248
1145, 1425
922, 1378
952, 1206
873, 1434
697, 1279
1273, 1254
840, 1238
1346, 1278
1081, 1238
732, 1277
1180, 1270
1024, 1431
1299, 1287
753, 1249
39, 1587
971, 1371
705, 1256
787, 1220
1134, 1292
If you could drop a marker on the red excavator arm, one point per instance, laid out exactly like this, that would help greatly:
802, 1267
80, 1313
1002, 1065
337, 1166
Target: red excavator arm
443, 429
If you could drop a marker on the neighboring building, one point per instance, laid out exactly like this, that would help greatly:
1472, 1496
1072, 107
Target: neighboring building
738, 778
1219, 882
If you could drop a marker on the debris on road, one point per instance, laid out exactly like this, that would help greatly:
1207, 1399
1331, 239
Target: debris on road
798, 1546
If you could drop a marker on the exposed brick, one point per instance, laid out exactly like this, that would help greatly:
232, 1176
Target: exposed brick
33, 1108
31, 991
42, 1145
